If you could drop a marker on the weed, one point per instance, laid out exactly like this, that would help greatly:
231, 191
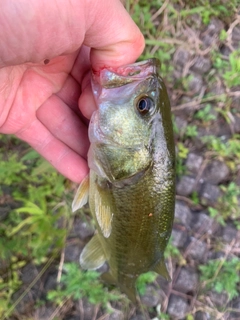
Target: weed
77, 284
222, 275
143, 280
205, 114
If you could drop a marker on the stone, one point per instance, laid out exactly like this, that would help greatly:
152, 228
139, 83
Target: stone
236, 34
51, 281
151, 296
195, 83
181, 57
235, 304
216, 172
202, 223
187, 281
72, 252
219, 299
29, 273
196, 249
236, 124
186, 186
229, 233
202, 65
183, 214
210, 194
138, 317
202, 315
4, 210
194, 162
116, 315
181, 124
177, 306
179, 238
44, 312
214, 27
82, 229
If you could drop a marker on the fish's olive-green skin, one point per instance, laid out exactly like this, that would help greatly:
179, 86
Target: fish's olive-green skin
132, 172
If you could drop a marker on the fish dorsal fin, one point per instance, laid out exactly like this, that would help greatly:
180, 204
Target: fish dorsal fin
161, 269
103, 212
81, 196
92, 256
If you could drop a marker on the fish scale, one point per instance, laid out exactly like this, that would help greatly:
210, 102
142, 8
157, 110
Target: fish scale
131, 186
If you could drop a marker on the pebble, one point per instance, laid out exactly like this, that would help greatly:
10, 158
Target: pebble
202, 223
196, 249
229, 233
151, 296
186, 186
183, 214
187, 281
202, 65
82, 229
194, 162
219, 299
72, 252
215, 172
195, 83
179, 238
235, 304
236, 124
177, 306
116, 315
236, 36
201, 315
181, 57
210, 194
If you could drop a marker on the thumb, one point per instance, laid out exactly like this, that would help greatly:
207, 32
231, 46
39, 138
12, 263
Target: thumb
111, 33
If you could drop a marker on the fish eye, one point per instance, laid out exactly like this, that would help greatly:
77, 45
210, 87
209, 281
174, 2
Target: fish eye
144, 105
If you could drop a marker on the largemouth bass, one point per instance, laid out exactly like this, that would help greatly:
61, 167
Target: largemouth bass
131, 185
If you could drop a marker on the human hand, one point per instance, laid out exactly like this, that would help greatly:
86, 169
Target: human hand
47, 49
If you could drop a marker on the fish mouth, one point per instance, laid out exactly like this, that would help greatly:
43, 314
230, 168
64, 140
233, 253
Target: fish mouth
117, 77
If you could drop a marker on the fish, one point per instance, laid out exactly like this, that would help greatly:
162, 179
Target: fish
131, 183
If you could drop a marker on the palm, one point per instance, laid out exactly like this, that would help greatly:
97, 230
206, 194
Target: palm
42, 108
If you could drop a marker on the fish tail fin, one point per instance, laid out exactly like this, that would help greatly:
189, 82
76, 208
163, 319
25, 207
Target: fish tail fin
161, 269
127, 287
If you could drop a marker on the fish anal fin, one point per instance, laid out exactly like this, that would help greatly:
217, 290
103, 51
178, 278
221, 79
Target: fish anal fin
161, 269
103, 211
92, 256
81, 196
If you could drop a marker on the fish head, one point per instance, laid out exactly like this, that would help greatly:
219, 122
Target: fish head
130, 112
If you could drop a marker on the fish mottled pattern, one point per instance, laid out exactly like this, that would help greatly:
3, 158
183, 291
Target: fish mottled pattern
132, 174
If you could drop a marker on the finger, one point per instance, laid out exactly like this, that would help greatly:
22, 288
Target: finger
64, 159
114, 37
64, 124
87, 103
70, 93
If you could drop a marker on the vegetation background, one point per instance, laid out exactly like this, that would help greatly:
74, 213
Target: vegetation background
198, 44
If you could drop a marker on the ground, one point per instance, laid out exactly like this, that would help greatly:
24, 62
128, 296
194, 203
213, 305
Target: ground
197, 43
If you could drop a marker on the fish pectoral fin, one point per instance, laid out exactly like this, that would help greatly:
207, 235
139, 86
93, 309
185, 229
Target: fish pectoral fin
161, 269
92, 256
103, 212
81, 196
